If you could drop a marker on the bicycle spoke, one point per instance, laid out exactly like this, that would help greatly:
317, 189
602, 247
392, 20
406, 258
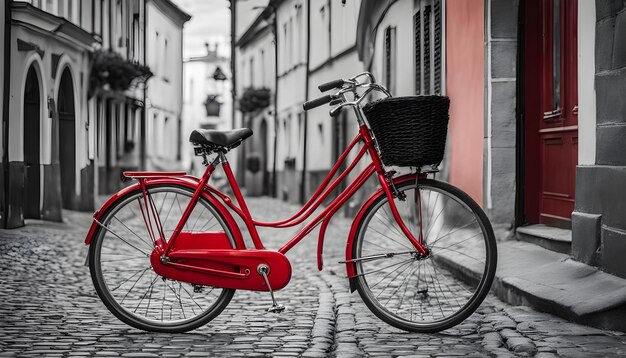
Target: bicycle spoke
434, 221
460, 253
450, 233
151, 291
198, 218
435, 266
400, 286
390, 238
130, 278
436, 297
388, 274
417, 291
460, 242
192, 299
181, 210
378, 270
179, 301
145, 294
133, 286
132, 232
392, 221
119, 237
408, 265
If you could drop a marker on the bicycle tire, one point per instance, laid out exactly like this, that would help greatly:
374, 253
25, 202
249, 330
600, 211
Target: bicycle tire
442, 262
118, 308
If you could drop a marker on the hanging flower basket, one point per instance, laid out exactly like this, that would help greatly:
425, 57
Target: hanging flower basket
110, 71
212, 106
254, 99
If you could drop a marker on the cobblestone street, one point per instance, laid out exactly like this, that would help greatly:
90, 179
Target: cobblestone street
49, 307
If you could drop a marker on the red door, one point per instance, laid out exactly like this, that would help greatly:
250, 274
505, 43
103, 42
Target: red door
551, 111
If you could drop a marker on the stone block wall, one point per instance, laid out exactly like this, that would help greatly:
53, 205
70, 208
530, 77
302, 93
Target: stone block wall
502, 52
599, 219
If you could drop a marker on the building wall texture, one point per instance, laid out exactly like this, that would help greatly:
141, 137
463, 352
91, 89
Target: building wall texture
598, 222
164, 93
464, 85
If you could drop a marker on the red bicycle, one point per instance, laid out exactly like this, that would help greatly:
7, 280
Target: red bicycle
166, 255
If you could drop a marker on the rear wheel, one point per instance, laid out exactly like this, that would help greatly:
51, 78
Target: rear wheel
433, 293
119, 261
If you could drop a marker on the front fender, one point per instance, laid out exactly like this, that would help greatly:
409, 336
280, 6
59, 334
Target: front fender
187, 182
350, 265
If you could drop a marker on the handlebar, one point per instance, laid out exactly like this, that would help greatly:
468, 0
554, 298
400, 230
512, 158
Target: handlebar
330, 85
345, 86
317, 102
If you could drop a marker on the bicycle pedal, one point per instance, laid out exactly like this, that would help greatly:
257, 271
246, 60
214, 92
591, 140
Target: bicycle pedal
276, 309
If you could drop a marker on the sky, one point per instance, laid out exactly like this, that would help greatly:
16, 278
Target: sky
210, 23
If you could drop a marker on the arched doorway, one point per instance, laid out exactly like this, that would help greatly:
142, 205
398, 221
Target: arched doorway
32, 114
67, 138
264, 155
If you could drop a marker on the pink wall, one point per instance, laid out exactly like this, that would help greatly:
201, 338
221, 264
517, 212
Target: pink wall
464, 85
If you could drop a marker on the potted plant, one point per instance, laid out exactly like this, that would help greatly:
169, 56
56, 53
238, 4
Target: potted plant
254, 99
109, 71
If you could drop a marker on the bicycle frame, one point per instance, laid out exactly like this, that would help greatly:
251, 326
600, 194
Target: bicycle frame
311, 205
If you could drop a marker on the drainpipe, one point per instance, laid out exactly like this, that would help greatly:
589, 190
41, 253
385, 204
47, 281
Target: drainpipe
144, 116
306, 98
275, 33
5, 109
520, 122
233, 57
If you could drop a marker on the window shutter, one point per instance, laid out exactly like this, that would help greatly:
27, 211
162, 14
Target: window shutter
417, 24
427, 51
437, 49
387, 57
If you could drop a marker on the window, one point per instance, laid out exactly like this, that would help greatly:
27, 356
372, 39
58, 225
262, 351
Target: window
97, 17
70, 10
251, 71
427, 40
166, 56
135, 37
390, 59
287, 137
49, 6
291, 43
190, 90
61, 9
301, 32
263, 84
285, 48
157, 53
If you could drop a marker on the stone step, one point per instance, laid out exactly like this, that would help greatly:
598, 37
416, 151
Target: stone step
551, 238
550, 282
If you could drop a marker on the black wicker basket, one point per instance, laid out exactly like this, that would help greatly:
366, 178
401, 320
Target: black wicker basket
411, 131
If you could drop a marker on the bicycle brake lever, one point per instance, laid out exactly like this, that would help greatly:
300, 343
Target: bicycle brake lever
335, 111
335, 102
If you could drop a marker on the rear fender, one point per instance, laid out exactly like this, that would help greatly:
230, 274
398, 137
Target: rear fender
187, 182
350, 265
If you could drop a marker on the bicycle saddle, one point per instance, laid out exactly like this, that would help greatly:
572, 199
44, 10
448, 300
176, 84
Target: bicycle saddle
228, 139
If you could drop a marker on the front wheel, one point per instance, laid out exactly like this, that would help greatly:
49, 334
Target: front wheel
432, 293
119, 261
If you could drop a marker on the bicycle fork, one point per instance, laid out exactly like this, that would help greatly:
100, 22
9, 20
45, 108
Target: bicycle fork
418, 243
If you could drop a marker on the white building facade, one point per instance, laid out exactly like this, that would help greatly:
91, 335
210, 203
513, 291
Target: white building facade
256, 67
52, 115
164, 93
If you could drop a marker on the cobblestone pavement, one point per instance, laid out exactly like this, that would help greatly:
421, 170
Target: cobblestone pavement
49, 307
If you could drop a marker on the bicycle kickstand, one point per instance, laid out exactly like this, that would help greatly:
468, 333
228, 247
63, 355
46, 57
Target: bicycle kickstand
276, 308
